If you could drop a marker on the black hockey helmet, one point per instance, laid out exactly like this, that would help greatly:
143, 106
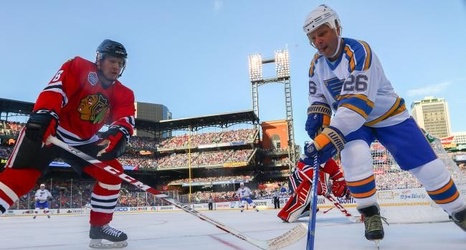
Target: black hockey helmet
112, 48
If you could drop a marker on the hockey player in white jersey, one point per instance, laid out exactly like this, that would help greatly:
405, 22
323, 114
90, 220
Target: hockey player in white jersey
244, 193
346, 79
41, 199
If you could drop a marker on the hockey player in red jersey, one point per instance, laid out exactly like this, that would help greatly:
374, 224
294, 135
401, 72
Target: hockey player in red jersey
81, 98
301, 181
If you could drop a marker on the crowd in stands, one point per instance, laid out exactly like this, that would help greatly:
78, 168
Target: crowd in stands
177, 160
204, 159
209, 138
9, 128
213, 180
76, 193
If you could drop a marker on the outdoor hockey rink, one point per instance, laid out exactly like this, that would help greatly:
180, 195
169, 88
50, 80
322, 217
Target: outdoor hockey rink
180, 230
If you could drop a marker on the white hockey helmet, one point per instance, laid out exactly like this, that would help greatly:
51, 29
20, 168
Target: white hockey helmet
319, 16
241, 183
42, 185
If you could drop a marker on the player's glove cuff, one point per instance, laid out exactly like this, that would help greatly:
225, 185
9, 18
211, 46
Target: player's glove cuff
41, 124
330, 135
328, 143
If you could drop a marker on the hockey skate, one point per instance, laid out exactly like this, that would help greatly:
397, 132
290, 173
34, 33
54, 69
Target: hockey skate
459, 218
106, 237
373, 223
257, 210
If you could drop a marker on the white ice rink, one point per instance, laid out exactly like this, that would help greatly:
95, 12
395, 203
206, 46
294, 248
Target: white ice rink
180, 230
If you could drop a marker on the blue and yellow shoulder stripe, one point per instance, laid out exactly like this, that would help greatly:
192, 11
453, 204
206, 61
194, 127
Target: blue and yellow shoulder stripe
358, 53
312, 67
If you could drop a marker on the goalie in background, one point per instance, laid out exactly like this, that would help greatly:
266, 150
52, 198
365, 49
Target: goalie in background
42, 198
301, 182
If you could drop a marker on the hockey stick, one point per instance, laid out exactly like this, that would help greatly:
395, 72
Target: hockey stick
328, 210
312, 217
342, 209
284, 240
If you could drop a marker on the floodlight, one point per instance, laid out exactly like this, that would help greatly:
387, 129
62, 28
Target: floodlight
255, 67
282, 63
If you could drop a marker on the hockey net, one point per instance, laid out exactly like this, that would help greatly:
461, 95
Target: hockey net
401, 197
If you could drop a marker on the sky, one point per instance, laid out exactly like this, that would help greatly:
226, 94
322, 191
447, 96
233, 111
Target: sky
192, 56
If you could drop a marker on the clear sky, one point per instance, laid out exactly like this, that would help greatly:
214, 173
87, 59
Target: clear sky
192, 56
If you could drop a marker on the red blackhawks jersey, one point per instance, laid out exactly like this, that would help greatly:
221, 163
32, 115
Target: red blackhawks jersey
83, 105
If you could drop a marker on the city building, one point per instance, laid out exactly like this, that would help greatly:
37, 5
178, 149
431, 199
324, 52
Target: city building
151, 112
432, 115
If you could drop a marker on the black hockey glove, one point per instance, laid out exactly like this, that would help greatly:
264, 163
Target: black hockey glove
41, 125
114, 141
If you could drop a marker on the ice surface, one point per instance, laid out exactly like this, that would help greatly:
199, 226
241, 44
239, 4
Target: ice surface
180, 230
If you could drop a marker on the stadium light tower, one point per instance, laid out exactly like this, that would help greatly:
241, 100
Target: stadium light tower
282, 70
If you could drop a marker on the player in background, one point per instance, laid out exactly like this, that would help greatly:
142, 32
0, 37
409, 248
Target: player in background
210, 202
244, 194
347, 79
41, 199
276, 197
81, 98
301, 182
283, 190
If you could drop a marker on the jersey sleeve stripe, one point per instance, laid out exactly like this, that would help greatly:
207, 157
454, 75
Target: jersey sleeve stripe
359, 55
398, 107
358, 103
312, 67
57, 88
351, 60
368, 57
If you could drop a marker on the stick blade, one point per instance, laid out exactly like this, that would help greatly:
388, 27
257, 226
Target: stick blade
288, 238
355, 219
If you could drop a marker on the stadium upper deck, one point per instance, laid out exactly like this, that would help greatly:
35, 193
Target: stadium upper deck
8, 106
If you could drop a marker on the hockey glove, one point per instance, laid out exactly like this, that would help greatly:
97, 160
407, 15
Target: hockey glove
339, 188
318, 117
40, 125
114, 141
327, 144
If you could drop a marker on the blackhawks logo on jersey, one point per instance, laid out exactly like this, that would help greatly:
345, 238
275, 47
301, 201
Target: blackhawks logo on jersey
94, 108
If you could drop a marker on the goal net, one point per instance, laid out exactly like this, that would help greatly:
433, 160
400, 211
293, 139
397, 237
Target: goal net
401, 197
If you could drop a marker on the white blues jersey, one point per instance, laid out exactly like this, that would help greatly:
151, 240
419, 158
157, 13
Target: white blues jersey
356, 88
244, 192
42, 195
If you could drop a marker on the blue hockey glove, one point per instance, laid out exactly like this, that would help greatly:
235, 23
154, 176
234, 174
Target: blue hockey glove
327, 144
318, 117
